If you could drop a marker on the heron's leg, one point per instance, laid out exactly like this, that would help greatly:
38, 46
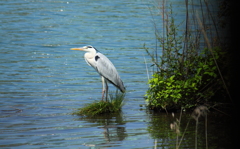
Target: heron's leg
103, 90
106, 90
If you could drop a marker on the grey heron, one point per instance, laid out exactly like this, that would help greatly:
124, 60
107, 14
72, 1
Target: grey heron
104, 67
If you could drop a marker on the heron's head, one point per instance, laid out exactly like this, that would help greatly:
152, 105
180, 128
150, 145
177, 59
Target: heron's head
86, 48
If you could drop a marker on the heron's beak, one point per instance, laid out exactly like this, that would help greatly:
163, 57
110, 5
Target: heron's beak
81, 49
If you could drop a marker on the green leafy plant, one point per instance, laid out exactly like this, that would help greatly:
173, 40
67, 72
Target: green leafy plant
181, 89
186, 74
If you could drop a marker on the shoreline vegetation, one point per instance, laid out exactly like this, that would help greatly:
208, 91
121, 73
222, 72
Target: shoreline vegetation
192, 70
189, 69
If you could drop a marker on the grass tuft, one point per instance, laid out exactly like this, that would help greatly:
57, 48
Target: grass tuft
114, 105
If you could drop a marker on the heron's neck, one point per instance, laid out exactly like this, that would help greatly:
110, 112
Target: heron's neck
90, 54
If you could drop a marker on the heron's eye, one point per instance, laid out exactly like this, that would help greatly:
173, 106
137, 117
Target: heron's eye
89, 46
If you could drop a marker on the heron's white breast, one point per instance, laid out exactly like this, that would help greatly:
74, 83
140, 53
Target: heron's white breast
90, 59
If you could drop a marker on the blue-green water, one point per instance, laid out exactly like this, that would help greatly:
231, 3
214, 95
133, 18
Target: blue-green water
42, 81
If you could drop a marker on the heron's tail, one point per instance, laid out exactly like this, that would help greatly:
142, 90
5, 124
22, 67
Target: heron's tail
121, 87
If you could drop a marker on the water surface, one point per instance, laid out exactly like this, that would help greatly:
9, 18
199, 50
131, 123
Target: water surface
42, 81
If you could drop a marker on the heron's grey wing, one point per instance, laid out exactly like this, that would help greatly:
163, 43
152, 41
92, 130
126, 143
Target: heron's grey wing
106, 69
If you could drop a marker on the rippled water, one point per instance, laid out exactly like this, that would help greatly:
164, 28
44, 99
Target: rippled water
42, 81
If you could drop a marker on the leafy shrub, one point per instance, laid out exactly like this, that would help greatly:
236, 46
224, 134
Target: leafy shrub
186, 73
185, 89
